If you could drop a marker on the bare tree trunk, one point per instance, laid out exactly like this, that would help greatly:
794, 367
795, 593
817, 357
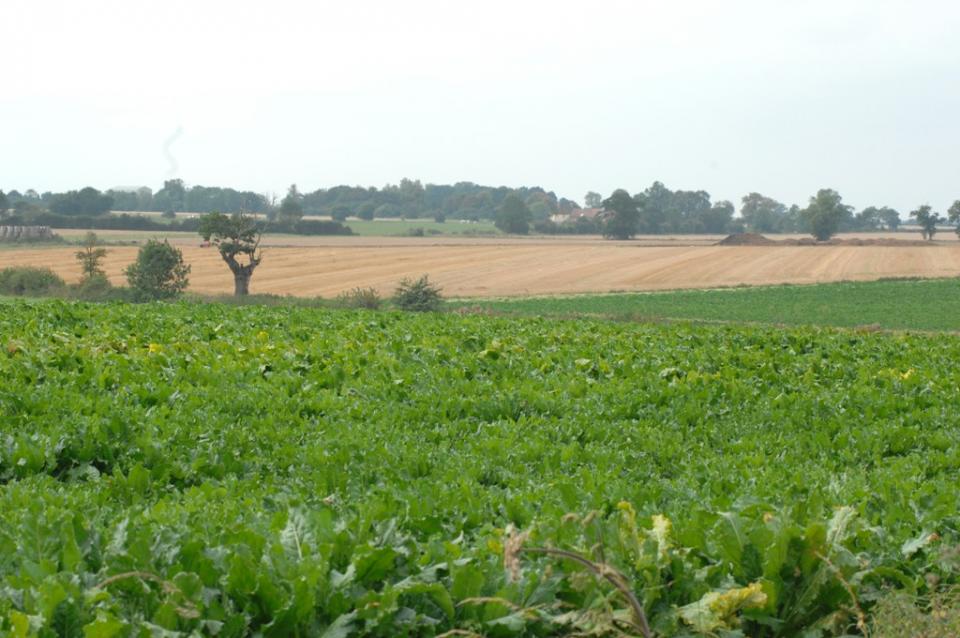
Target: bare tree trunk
241, 284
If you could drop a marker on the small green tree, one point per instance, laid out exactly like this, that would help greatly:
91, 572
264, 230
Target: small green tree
419, 295
90, 257
927, 219
513, 216
4, 205
291, 208
366, 211
624, 216
237, 237
158, 272
825, 213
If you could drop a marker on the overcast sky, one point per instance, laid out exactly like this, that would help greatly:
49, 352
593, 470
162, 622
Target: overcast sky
781, 97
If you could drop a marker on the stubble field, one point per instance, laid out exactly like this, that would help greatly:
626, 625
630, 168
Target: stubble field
488, 267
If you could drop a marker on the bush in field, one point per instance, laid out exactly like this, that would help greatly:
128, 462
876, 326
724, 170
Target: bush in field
419, 295
513, 216
158, 273
97, 288
367, 298
30, 281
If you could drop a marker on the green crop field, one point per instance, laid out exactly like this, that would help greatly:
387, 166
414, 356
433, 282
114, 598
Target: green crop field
194, 470
921, 304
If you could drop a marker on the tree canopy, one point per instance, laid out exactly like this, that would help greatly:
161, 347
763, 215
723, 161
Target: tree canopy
927, 219
513, 216
291, 208
825, 213
623, 216
86, 201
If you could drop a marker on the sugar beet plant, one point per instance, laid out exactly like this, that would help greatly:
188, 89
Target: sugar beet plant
173, 470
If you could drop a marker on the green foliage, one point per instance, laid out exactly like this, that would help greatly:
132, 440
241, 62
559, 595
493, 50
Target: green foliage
86, 201
513, 216
763, 214
29, 281
367, 298
97, 288
825, 214
927, 219
4, 205
419, 295
873, 218
953, 215
624, 216
197, 470
158, 272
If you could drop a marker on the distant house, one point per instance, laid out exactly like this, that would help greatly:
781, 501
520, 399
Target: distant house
580, 213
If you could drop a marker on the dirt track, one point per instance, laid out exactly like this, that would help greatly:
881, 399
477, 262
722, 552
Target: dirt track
504, 268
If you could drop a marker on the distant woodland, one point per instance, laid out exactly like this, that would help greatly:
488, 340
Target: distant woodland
657, 209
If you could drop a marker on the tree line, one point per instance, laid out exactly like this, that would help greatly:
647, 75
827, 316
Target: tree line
659, 210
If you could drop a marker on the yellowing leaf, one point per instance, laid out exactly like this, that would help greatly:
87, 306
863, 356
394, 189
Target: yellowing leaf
661, 532
718, 610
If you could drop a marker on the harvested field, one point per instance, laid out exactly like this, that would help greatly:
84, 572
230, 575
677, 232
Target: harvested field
495, 268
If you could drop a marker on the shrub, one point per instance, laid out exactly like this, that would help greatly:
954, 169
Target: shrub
30, 281
415, 232
417, 295
97, 288
158, 273
367, 298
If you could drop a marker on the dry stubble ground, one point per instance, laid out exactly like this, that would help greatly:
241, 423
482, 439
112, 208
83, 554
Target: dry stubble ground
484, 267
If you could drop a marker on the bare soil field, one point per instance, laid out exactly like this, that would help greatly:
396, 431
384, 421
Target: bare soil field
500, 267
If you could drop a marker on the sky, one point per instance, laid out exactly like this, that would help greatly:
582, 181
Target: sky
778, 97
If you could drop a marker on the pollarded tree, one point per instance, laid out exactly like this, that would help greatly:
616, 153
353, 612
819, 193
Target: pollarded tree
624, 216
927, 219
513, 216
237, 237
826, 213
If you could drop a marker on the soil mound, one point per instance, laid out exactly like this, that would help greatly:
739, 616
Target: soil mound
746, 239
756, 239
